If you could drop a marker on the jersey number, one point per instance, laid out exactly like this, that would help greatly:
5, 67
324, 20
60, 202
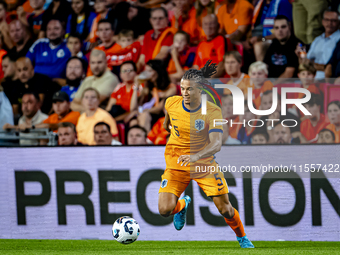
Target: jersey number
218, 179
176, 130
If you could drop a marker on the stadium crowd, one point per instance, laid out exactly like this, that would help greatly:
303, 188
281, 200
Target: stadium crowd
99, 73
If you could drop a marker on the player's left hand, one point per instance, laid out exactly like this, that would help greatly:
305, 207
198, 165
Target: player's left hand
186, 159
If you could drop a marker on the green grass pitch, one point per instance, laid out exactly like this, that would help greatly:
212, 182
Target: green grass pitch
25, 246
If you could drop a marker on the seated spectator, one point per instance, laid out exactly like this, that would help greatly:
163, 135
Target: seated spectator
281, 58
323, 46
103, 136
160, 35
91, 116
9, 81
263, 23
136, 136
31, 116
185, 20
213, 48
74, 44
21, 39
235, 18
62, 112
117, 53
120, 102
314, 123
33, 20
102, 12
102, 80
258, 73
80, 20
291, 119
158, 135
204, 8
49, 56
67, 135
180, 54
326, 136
244, 133
259, 137
307, 16
6, 112
57, 10
31, 81
307, 74
75, 73
4, 28
333, 111
282, 135
232, 65
158, 83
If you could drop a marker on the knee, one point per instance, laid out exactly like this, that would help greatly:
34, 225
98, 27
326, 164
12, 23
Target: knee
225, 209
165, 210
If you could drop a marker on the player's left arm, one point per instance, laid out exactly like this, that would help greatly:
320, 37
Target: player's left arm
213, 147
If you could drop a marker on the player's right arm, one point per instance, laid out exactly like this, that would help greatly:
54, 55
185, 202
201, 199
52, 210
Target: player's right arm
166, 122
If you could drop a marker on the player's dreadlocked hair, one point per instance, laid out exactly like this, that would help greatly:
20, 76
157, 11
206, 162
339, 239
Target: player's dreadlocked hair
201, 75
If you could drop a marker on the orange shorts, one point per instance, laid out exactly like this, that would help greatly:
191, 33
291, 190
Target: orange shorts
175, 182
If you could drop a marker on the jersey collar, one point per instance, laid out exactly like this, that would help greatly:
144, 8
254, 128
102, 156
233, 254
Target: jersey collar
188, 110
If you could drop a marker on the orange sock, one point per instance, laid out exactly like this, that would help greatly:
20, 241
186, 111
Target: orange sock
236, 224
180, 205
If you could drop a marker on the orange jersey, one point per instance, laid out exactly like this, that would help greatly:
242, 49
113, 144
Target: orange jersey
336, 133
213, 50
312, 89
123, 96
241, 14
190, 131
70, 117
186, 59
152, 45
116, 55
257, 93
158, 134
311, 132
242, 83
190, 26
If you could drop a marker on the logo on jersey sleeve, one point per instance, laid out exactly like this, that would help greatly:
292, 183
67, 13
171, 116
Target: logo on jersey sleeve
164, 183
60, 53
199, 124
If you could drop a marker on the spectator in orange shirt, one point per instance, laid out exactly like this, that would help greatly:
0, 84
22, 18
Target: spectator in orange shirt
158, 134
213, 48
92, 115
185, 20
117, 52
67, 135
161, 35
235, 18
333, 111
102, 10
181, 56
103, 136
159, 87
314, 123
120, 101
258, 73
326, 136
233, 64
62, 112
136, 136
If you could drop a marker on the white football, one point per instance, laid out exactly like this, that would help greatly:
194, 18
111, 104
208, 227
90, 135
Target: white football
125, 230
